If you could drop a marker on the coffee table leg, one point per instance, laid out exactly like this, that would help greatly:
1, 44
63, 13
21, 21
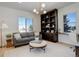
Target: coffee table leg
30, 48
44, 49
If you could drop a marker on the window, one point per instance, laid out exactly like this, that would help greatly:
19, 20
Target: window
25, 24
70, 22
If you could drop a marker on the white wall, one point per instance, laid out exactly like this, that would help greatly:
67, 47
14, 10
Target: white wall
65, 10
10, 17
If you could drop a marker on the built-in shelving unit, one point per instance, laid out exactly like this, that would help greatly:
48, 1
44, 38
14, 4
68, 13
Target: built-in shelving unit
49, 25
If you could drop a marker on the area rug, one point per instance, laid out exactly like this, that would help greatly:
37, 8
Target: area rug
52, 50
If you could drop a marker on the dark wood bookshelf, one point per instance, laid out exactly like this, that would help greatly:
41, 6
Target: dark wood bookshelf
49, 26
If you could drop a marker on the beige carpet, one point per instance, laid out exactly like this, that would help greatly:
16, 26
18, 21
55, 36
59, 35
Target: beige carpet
52, 50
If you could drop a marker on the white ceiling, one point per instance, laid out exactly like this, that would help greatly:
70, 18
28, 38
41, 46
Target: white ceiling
29, 6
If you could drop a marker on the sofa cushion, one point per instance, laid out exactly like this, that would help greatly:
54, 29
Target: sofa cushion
28, 38
17, 36
21, 41
26, 34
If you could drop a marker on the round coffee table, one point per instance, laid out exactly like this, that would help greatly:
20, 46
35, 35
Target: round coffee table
41, 45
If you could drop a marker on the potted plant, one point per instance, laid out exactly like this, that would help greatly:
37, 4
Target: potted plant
8, 35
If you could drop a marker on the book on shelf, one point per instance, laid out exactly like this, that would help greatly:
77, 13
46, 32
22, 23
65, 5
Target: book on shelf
47, 17
52, 16
52, 20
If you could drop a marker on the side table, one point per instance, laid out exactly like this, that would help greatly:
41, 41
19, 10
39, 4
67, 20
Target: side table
9, 42
77, 51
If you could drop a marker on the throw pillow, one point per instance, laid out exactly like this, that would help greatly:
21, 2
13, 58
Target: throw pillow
17, 36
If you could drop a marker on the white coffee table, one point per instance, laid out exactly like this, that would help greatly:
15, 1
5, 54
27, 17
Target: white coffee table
41, 45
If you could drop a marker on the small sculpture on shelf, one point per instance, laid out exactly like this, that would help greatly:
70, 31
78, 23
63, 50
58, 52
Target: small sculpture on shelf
52, 31
47, 31
53, 26
43, 21
48, 25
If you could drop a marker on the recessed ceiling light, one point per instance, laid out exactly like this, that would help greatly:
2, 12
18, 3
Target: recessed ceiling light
43, 5
34, 10
37, 12
44, 12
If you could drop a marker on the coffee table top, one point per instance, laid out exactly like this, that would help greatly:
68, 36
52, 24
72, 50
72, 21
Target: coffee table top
41, 44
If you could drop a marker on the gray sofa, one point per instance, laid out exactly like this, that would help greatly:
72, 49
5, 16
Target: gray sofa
22, 38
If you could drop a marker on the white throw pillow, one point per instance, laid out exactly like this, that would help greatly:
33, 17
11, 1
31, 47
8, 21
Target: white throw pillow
17, 36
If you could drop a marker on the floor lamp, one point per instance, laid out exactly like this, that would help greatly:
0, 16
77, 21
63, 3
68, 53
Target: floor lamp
3, 26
